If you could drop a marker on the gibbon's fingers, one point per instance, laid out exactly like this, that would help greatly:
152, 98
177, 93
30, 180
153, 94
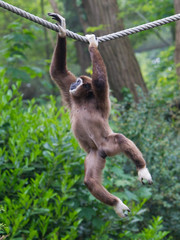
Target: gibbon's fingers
61, 23
92, 40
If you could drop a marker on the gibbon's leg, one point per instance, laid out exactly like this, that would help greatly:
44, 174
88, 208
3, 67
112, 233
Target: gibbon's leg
94, 165
118, 143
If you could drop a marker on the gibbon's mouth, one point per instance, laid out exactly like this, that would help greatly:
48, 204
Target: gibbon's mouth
76, 85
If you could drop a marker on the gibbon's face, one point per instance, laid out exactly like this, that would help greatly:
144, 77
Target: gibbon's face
81, 87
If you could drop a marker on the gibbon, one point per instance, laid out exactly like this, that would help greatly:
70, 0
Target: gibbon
89, 104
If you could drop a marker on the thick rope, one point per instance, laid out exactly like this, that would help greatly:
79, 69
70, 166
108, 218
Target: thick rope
76, 36
140, 28
40, 21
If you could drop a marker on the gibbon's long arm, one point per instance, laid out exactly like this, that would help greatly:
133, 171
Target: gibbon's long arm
59, 57
99, 76
99, 80
58, 70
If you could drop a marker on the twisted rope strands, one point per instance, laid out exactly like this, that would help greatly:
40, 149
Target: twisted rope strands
76, 36
40, 21
140, 28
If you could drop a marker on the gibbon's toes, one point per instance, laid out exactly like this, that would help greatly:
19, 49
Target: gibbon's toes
144, 175
92, 40
121, 209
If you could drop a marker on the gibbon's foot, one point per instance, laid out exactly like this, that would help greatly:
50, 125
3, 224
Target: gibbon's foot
92, 40
61, 23
121, 209
143, 174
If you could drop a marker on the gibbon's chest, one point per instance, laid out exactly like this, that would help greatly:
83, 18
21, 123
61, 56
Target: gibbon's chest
88, 125
83, 118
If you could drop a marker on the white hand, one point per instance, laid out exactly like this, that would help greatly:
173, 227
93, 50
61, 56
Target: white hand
92, 40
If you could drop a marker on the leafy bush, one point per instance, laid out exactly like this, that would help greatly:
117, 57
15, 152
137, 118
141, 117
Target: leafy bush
35, 159
159, 141
17, 43
41, 186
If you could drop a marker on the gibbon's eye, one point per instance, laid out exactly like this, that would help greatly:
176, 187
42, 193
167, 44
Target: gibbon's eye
87, 86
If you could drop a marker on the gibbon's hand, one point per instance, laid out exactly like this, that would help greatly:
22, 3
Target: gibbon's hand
143, 174
61, 23
92, 40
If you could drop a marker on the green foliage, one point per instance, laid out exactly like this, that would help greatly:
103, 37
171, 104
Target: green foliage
159, 72
37, 188
138, 12
42, 191
16, 44
42, 195
152, 9
96, 28
158, 139
152, 232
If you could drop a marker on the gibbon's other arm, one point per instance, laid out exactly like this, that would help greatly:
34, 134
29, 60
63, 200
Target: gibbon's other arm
58, 69
99, 76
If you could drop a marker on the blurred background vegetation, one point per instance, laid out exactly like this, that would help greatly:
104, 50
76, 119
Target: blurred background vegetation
42, 195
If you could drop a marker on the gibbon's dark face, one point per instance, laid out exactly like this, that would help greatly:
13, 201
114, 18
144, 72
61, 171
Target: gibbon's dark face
81, 87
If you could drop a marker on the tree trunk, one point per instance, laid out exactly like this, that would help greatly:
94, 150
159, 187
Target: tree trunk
122, 66
83, 56
177, 40
54, 6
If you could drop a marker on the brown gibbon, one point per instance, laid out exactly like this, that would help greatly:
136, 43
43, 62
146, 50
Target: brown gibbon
89, 104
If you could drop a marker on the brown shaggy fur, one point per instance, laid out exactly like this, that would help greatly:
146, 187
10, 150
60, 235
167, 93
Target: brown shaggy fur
90, 107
